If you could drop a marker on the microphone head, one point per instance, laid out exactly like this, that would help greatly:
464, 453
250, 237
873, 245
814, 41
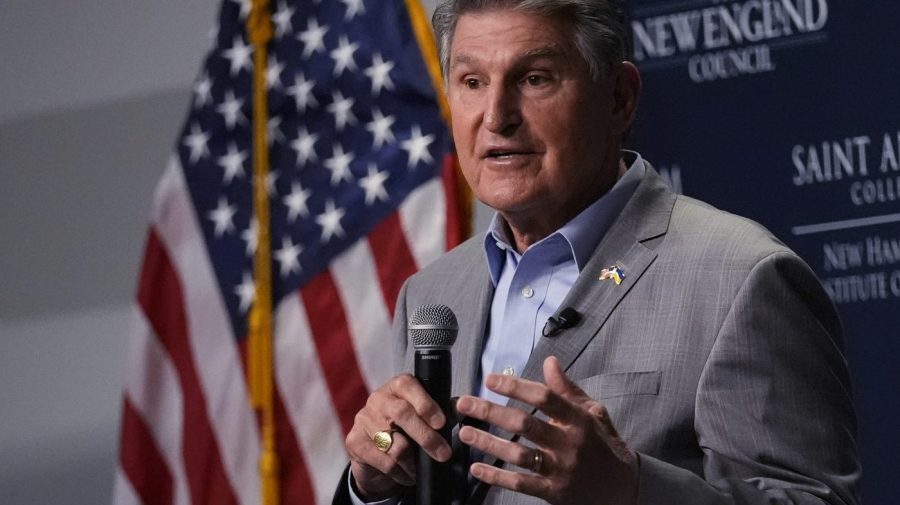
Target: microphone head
432, 326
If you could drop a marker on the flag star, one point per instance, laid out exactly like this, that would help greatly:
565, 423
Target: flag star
246, 5
341, 108
339, 164
304, 144
251, 237
230, 109
273, 73
246, 291
239, 56
273, 130
313, 38
417, 146
380, 128
233, 163
330, 221
271, 179
287, 256
354, 7
296, 202
197, 142
203, 91
282, 19
222, 217
379, 72
343, 56
302, 91
373, 184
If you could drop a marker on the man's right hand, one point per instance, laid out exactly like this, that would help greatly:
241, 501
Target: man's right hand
401, 404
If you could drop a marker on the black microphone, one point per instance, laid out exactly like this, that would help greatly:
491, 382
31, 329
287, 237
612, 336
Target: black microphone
567, 318
432, 331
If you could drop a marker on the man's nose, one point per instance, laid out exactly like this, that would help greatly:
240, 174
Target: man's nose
503, 113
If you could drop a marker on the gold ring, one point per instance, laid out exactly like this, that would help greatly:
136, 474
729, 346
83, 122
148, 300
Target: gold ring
383, 441
537, 461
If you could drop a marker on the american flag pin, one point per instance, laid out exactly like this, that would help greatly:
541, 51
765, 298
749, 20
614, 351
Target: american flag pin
615, 272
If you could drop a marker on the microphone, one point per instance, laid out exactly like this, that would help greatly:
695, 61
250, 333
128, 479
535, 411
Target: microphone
567, 318
432, 330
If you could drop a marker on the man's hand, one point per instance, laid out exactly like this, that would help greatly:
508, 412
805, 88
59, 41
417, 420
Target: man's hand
579, 456
403, 405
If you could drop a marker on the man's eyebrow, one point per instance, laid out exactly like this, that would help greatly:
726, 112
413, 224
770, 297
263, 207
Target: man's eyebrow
551, 52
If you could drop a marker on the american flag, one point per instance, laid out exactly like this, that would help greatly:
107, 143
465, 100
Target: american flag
363, 192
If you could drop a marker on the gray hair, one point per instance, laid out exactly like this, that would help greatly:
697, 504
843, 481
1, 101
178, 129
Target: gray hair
601, 29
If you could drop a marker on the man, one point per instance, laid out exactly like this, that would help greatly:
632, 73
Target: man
704, 365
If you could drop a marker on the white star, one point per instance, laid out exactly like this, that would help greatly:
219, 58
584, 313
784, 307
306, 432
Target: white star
339, 164
239, 55
343, 56
304, 145
245, 7
302, 91
330, 221
222, 216
273, 73
342, 109
380, 128
203, 91
271, 178
287, 256
313, 37
197, 141
379, 72
251, 237
230, 109
246, 291
296, 202
417, 146
233, 163
273, 130
373, 184
282, 19
353, 8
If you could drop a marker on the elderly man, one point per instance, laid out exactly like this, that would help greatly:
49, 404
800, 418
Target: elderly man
704, 364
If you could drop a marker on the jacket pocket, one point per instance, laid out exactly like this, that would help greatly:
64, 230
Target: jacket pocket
612, 385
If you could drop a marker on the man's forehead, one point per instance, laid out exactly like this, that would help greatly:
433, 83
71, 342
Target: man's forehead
517, 35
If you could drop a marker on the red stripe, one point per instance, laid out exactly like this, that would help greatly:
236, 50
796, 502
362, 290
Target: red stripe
296, 486
334, 345
393, 258
141, 460
160, 295
459, 205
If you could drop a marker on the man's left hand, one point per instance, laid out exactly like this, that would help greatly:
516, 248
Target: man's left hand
579, 457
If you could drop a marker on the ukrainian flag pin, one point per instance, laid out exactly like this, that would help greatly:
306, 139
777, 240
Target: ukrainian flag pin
615, 272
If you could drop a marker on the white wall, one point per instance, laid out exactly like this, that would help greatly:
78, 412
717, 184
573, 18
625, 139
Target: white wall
92, 94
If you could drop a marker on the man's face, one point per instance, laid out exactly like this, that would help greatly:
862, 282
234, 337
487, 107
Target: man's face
535, 135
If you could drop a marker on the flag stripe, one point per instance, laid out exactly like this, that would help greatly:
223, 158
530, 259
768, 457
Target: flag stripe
306, 398
161, 298
210, 336
459, 202
158, 402
294, 478
423, 216
393, 258
123, 492
142, 462
356, 278
334, 347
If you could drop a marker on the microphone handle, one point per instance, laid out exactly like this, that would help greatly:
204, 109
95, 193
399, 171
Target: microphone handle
433, 369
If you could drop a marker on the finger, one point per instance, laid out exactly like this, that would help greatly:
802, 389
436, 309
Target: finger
365, 454
535, 394
561, 384
497, 447
407, 387
526, 483
402, 414
510, 419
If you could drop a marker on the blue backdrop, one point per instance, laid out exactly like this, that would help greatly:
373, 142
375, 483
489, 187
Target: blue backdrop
788, 112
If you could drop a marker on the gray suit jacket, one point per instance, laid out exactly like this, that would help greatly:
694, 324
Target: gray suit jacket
718, 357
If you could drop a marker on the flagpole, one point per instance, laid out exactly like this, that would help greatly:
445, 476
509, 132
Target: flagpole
260, 349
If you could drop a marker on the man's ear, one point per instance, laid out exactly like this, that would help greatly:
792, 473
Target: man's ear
626, 91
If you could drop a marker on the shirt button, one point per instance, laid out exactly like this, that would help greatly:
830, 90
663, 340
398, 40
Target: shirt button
527, 292
509, 371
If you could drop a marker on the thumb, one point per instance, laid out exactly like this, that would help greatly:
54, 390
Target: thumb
561, 384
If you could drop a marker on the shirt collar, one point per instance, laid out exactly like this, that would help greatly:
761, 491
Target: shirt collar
582, 233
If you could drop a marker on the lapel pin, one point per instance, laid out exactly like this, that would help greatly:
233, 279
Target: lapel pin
615, 272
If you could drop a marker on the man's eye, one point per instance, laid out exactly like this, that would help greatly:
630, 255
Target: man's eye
535, 80
472, 83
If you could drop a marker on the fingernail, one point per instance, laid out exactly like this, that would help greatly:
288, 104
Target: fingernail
466, 435
436, 421
476, 471
492, 381
444, 453
465, 405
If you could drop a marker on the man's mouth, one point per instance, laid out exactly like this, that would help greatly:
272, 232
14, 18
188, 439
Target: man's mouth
504, 154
